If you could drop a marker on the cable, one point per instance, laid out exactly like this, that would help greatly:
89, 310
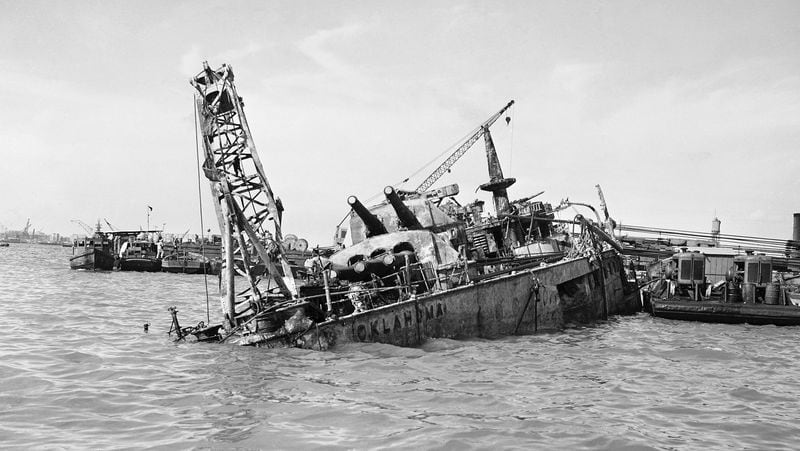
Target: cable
202, 226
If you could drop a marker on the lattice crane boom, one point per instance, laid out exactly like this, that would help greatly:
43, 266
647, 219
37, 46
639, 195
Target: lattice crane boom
243, 199
461, 150
84, 226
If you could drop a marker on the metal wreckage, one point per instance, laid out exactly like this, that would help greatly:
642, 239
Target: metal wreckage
418, 265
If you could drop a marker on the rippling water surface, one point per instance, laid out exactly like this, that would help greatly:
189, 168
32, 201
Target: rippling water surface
78, 371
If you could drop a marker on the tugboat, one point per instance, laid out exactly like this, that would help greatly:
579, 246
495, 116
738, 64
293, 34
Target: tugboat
95, 253
136, 251
404, 279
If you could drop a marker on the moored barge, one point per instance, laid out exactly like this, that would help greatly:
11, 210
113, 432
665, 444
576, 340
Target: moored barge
692, 287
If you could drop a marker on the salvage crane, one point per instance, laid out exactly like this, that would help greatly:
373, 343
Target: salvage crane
27, 227
111, 227
462, 149
85, 226
243, 200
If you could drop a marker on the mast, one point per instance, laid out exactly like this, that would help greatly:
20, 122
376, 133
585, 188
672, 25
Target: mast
243, 199
609, 223
497, 184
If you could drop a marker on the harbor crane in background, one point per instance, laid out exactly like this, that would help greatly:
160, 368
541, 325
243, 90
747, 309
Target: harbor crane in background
25, 229
84, 226
111, 227
89, 230
482, 130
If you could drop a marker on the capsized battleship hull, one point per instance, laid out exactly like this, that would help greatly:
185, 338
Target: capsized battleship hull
548, 298
413, 267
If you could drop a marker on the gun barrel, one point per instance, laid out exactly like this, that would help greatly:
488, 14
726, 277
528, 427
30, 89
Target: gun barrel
381, 266
406, 216
373, 224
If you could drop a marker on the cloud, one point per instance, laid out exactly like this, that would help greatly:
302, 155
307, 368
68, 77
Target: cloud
575, 78
316, 47
689, 113
236, 54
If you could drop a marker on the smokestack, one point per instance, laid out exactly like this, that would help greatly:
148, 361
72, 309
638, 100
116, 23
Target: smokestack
796, 228
794, 245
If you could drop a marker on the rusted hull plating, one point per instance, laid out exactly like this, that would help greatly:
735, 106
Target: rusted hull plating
541, 299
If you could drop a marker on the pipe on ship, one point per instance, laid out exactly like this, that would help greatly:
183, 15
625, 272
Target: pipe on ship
602, 234
373, 224
407, 218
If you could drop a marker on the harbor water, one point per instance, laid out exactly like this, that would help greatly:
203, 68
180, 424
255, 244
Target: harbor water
78, 371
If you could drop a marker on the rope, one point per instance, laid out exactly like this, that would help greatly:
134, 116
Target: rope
200, 200
438, 157
533, 291
511, 145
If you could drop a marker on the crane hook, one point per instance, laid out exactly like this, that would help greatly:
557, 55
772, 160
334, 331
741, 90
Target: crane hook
508, 120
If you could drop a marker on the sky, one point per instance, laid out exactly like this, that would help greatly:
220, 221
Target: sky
680, 110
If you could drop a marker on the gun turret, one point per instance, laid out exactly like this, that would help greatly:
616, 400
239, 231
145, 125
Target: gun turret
374, 225
407, 217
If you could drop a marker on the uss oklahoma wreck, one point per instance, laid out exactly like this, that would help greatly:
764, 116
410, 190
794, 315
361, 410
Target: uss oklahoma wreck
412, 274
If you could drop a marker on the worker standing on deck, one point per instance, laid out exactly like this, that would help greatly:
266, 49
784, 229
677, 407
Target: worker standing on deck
160, 248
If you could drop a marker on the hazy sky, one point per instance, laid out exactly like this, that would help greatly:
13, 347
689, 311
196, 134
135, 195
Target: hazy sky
679, 110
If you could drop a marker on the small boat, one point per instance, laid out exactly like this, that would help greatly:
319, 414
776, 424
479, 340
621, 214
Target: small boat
713, 286
188, 263
93, 253
139, 255
136, 251
3, 244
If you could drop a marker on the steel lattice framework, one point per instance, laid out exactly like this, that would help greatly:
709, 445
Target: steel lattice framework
460, 151
243, 198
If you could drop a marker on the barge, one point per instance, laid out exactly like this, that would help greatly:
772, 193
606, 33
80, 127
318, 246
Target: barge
747, 290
